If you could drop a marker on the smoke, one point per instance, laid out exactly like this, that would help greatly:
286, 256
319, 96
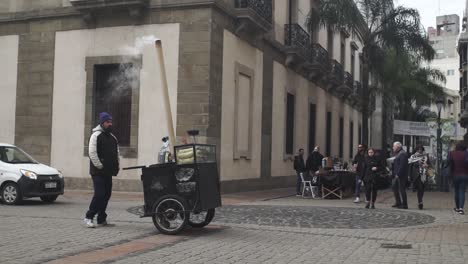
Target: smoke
140, 43
126, 78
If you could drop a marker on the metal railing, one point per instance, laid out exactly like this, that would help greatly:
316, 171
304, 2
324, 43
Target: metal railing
337, 71
319, 55
349, 80
263, 8
296, 36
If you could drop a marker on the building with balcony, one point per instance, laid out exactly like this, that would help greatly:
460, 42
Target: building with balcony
245, 73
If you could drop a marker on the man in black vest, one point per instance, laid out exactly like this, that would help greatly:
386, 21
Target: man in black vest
104, 163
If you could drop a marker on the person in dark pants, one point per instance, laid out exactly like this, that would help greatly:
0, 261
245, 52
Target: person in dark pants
358, 163
419, 163
400, 176
104, 163
459, 174
372, 167
299, 167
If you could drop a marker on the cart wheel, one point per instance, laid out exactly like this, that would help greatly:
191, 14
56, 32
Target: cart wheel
170, 215
201, 219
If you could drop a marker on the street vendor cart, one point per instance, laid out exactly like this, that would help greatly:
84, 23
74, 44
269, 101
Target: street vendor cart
183, 192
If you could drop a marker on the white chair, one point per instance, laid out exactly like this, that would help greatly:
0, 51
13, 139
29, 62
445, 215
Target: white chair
308, 184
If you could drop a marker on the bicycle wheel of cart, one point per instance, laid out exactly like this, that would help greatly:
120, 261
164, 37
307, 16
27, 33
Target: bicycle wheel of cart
201, 219
170, 214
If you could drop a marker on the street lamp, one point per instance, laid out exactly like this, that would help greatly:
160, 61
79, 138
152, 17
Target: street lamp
439, 104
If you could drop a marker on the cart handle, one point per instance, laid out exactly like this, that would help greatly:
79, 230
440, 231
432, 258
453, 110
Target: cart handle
134, 168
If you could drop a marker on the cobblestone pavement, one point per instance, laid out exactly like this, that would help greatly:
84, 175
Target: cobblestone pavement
286, 230
36, 232
315, 217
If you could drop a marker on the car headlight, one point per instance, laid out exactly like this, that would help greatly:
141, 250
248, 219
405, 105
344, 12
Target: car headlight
31, 175
60, 174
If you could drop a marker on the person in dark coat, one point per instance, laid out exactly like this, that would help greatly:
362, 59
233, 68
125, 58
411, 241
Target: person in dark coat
358, 163
459, 174
371, 170
299, 167
400, 176
314, 161
419, 162
104, 163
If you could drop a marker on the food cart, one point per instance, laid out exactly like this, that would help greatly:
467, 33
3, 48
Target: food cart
183, 192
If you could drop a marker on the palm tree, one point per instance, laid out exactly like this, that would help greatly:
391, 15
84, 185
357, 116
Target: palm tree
410, 87
380, 25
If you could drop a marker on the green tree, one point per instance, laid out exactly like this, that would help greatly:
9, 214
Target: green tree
380, 25
410, 87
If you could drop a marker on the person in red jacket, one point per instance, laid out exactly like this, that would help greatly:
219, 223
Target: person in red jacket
459, 173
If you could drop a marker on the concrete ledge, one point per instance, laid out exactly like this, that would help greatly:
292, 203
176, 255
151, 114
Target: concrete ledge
234, 186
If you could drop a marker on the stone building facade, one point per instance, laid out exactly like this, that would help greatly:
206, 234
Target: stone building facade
245, 73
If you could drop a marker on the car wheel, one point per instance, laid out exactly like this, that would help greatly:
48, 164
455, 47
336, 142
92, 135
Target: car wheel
49, 198
11, 194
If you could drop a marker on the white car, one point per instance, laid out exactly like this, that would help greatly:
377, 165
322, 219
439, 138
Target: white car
23, 177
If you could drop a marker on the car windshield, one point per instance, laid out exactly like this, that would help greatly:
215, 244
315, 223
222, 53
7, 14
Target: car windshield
14, 155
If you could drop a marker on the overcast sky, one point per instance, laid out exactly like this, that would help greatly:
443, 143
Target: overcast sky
429, 9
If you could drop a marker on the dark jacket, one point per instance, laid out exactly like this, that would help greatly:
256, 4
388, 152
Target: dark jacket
314, 161
459, 166
359, 159
299, 164
400, 165
103, 153
369, 175
415, 165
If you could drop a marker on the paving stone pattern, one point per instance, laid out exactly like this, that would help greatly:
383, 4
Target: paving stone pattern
315, 217
264, 232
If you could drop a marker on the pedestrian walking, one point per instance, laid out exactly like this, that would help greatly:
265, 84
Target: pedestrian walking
418, 165
459, 173
372, 169
358, 163
400, 176
104, 163
299, 167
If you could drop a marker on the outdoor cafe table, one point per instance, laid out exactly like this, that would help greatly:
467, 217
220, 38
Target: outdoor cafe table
334, 182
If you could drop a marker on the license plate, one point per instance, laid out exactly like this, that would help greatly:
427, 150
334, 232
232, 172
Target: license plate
50, 185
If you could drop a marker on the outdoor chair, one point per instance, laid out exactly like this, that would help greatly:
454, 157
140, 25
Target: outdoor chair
308, 184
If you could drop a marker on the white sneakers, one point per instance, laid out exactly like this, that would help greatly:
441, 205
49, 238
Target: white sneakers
89, 223
357, 200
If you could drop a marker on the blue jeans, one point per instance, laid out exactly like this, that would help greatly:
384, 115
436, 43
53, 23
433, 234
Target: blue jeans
357, 189
459, 184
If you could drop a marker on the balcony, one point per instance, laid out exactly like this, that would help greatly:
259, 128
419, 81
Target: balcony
297, 42
335, 76
346, 88
318, 63
254, 16
89, 8
355, 97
